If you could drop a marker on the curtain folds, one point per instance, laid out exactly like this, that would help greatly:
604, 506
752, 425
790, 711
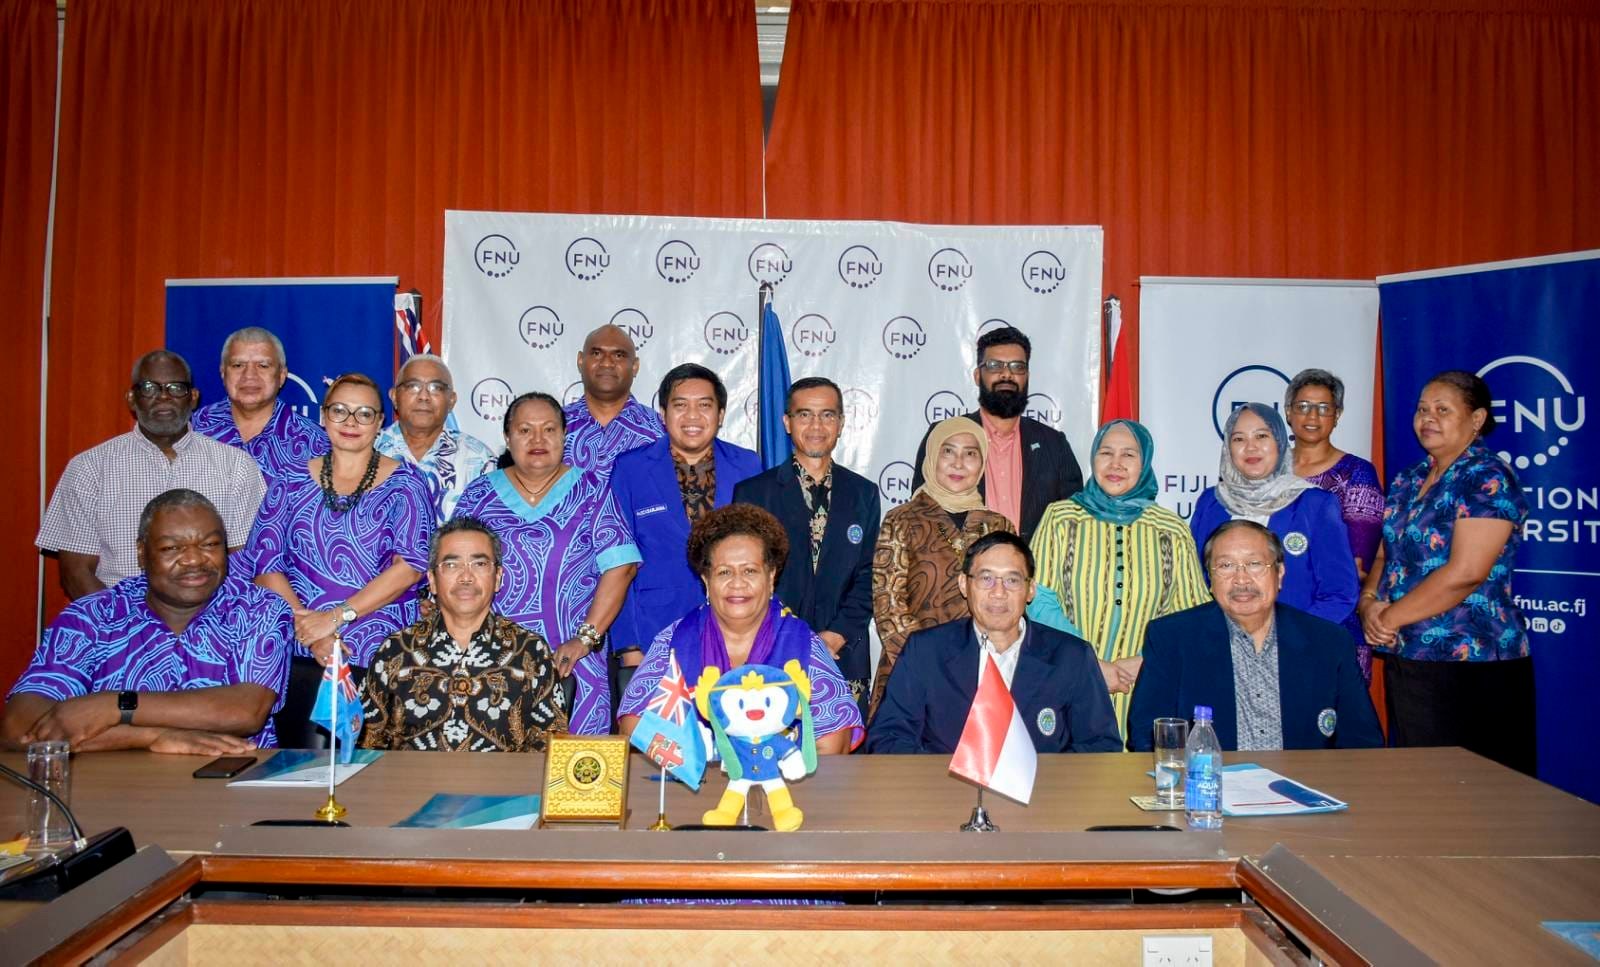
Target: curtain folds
264, 138
27, 118
1278, 138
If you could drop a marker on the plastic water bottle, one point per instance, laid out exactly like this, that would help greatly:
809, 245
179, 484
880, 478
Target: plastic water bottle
1202, 784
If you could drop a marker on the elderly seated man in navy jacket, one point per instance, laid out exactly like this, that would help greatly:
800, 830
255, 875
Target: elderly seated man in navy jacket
1277, 677
1054, 678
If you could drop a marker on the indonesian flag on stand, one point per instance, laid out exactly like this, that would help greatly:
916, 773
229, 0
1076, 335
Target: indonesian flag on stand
995, 750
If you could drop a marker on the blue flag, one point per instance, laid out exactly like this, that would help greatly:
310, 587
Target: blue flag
668, 732
348, 726
773, 390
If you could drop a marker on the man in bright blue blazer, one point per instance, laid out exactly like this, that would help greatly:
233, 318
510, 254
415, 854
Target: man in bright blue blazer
1054, 678
834, 594
658, 488
1274, 676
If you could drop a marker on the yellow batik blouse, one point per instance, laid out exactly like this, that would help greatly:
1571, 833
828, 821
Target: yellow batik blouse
1114, 579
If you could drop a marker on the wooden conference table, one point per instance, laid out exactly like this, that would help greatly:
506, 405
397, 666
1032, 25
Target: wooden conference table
1396, 871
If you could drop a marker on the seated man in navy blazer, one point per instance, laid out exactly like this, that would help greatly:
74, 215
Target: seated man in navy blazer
831, 515
1054, 677
663, 487
1276, 677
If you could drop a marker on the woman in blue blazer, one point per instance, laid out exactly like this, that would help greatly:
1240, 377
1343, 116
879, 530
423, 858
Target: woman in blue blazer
1256, 481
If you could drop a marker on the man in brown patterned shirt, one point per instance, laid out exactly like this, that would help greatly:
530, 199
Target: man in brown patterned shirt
462, 678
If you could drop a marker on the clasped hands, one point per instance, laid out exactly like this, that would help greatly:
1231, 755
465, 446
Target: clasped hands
1120, 675
77, 721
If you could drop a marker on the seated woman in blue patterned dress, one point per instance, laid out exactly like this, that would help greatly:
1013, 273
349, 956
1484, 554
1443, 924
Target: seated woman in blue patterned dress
738, 550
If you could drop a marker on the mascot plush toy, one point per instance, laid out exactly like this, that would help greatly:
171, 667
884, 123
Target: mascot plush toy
750, 710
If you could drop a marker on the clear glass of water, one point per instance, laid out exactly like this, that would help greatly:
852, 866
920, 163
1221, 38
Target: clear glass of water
50, 765
1170, 737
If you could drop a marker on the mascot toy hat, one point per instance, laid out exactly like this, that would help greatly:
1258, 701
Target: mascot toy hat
750, 709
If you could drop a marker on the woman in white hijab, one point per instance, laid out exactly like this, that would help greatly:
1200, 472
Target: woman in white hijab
1257, 482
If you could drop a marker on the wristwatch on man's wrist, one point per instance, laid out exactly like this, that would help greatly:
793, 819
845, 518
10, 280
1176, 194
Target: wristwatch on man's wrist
127, 704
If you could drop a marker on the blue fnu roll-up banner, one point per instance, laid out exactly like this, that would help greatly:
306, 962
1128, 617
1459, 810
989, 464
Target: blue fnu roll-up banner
328, 327
1529, 329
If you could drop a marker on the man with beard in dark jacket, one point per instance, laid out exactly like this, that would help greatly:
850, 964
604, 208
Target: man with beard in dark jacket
1030, 464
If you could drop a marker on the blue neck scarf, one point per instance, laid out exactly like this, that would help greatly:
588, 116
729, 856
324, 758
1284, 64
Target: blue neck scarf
1126, 508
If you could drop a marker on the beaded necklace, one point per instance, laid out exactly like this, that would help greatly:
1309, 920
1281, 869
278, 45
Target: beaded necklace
337, 502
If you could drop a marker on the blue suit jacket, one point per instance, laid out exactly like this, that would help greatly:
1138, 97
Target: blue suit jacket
1188, 662
645, 483
836, 597
1057, 685
1321, 579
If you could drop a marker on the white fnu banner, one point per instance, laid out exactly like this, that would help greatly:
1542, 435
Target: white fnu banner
1210, 345
889, 311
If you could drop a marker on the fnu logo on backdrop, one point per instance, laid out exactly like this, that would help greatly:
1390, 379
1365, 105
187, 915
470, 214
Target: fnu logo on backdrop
726, 333
1043, 408
942, 406
949, 269
1256, 383
903, 337
860, 410
677, 261
769, 263
1536, 405
586, 258
540, 327
812, 335
636, 324
1042, 272
894, 482
495, 256
859, 267
490, 398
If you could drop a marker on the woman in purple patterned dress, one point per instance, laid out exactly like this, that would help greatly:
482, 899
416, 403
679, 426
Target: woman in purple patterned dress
344, 543
569, 555
1313, 403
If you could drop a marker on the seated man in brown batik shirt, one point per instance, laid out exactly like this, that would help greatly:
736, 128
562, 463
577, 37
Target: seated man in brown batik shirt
462, 678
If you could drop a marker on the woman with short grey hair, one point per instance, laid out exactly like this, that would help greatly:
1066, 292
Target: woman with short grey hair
1313, 404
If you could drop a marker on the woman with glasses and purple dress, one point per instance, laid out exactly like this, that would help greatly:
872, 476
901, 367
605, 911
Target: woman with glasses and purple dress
344, 543
1315, 401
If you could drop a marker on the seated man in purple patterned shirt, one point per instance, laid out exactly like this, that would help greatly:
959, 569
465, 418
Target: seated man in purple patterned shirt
181, 658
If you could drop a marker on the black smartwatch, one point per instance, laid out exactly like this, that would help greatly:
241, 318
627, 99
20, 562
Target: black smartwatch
127, 704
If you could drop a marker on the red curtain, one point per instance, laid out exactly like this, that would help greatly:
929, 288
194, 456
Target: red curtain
1277, 138
327, 137
27, 118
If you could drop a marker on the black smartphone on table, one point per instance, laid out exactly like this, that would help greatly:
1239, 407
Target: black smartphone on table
225, 767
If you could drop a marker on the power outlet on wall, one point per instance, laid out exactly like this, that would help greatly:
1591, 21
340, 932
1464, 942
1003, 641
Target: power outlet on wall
1184, 951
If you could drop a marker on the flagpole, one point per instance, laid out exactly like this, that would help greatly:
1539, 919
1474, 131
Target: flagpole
331, 811
763, 298
661, 823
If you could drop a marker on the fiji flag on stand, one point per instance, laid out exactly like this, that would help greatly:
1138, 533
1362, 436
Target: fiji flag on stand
668, 732
772, 387
348, 726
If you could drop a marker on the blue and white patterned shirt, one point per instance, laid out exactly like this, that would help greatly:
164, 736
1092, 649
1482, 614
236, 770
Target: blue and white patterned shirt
455, 460
111, 641
289, 441
595, 448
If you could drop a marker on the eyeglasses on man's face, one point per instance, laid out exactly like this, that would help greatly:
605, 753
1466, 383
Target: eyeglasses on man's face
1227, 569
149, 389
416, 387
1018, 367
1011, 582
1306, 408
339, 413
828, 417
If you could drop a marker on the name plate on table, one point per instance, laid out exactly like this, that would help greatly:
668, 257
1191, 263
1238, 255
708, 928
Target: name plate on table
585, 781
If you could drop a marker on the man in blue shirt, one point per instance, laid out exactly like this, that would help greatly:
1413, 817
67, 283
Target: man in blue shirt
181, 658
253, 418
607, 421
661, 489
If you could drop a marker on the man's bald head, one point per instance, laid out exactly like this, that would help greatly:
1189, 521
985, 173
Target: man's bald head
608, 364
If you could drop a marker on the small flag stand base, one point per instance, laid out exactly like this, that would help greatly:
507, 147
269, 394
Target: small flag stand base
660, 825
331, 811
980, 822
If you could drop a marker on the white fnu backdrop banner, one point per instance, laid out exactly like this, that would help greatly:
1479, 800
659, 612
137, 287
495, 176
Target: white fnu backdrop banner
889, 311
1210, 345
